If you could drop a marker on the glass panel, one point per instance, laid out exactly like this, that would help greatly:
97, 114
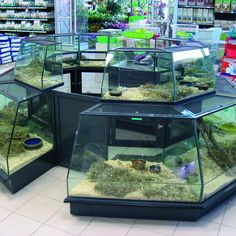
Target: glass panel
68, 43
17, 92
93, 48
137, 110
122, 158
32, 136
81, 16
65, 25
52, 74
217, 139
181, 157
209, 104
7, 115
91, 82
193, 72
137, 75
65, 8
39, 63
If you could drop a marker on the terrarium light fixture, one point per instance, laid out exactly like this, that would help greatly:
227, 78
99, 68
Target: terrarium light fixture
188, 54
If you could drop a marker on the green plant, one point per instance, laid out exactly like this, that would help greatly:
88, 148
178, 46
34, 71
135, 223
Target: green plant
113, 7
222, 152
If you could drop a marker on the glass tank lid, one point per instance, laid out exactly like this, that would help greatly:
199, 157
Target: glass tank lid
135, 110
188, 110
201, 107
17, 92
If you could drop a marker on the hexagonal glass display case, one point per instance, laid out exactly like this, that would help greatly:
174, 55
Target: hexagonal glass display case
165, 161
157, 75
39, 63
26, 134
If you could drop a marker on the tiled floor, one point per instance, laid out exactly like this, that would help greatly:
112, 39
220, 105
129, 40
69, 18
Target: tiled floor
38, 210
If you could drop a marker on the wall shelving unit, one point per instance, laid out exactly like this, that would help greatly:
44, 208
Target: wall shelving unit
25, 20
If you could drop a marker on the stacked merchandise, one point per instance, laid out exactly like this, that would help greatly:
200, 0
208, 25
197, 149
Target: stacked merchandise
15, 46
9, 48
5, 49
196, 11
228, 67
225, 6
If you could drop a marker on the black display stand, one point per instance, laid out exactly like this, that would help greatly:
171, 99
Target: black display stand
67, 109
148, 209
28, 173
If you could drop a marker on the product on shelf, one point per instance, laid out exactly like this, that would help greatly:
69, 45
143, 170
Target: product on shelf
229, 60
200, 3
218, 5
233, 6
199, 16
226, 6
183, 2
210, 18
192, 2
5, 55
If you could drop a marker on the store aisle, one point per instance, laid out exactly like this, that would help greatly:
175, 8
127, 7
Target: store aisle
38, 210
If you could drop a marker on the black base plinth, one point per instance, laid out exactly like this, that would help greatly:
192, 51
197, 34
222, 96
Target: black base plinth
148, 209
28, 173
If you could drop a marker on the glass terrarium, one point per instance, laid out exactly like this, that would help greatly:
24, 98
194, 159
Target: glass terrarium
26, 127
168, 161
68, 47
39, 63
157, 75
93, 47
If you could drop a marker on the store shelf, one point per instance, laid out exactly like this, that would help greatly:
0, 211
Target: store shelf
195, 23
25, 31
222, 42
222, 12
23, 8
201, 7
26, 19
18, 14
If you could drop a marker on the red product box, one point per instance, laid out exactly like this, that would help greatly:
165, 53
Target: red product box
228, 66
230, 47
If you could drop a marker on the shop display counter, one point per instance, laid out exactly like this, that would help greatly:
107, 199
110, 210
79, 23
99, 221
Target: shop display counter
26, 134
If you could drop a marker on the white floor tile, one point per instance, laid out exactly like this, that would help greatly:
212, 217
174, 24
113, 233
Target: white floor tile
40, 208
14, 201
135, 231
106, 228
50, 231
230, 216
63, 220
39, 184
216, 214
197, 228
57, 172
163, 227
56, 190
2, 187
4, 213
227, 231
18, 225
